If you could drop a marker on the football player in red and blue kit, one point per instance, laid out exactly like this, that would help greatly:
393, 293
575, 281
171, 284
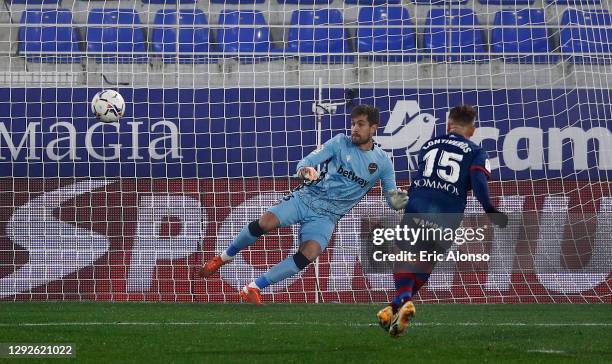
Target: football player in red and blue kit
449, 167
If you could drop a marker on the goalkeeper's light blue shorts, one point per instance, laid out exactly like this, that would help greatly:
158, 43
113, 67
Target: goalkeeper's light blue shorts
314, 226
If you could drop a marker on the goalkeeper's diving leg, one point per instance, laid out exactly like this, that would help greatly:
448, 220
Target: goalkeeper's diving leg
247, 236
315, 233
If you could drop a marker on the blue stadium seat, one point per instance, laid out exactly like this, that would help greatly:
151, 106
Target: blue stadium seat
34, 37
116, 42
372, 2
400, 39
193, 35
244, 39
507, 2
237, 1
305, 2
440, 2
522, 31
587, 32
34, 2
574, 2
169, 1
309, 34
454, 40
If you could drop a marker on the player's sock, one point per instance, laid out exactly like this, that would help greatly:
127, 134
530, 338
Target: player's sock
260, 283
404, 284
283, 270
421, 279
247, 236
225, 257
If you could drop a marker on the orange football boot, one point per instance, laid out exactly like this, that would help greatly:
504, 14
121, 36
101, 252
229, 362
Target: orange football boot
211, 267
385, 317
251, 294
402, 319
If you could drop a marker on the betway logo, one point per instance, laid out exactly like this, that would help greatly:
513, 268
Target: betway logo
350, 175
67, 139
419, 128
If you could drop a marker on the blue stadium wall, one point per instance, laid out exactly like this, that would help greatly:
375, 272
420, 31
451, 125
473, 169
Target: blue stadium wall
265, 132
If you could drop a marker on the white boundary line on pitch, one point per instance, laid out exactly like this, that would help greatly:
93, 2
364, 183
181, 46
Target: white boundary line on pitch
195, 323
546, 351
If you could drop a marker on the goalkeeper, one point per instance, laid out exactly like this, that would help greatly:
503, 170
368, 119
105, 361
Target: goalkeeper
350, 167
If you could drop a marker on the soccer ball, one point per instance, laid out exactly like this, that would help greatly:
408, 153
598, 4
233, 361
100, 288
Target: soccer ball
108, 106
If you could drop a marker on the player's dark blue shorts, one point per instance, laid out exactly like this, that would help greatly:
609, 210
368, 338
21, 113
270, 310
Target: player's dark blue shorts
424, 214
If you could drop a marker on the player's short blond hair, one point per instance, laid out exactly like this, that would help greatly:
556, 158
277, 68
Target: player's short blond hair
464, 115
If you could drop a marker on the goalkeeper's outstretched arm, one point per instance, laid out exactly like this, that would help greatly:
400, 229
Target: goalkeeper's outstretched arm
396, 198
306, 167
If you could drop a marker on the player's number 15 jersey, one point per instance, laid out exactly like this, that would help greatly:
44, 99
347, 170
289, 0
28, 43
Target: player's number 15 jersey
445, 164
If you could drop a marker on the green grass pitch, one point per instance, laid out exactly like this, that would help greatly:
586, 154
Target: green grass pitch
107, 332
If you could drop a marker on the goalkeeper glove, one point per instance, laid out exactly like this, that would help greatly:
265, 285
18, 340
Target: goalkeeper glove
308, 173
498, 218
397, 199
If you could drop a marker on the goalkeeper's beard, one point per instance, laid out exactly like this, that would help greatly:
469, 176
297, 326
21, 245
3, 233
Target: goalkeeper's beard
357, 140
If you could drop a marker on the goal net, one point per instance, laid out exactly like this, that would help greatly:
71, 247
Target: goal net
224, 98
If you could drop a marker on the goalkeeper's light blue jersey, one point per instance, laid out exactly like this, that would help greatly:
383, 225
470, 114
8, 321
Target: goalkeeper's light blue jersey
347, 174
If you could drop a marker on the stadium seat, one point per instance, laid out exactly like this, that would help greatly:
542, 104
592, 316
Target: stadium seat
169, 1
244, 39
117, 43
514, 32
440, 2
309, 34
400, 39
237, 1
587, 32
437, 39
573, 2
372, 2
193, 35
34, 37
34, 2
507, 2
305, 2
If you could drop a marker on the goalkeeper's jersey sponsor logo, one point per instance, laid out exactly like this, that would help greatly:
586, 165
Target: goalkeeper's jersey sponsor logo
352, 176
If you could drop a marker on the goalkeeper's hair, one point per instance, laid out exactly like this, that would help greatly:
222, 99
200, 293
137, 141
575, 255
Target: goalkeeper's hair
463, 115
371, 112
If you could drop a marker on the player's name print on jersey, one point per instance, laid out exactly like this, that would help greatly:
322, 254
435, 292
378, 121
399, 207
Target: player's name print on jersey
352, 176
465, 147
